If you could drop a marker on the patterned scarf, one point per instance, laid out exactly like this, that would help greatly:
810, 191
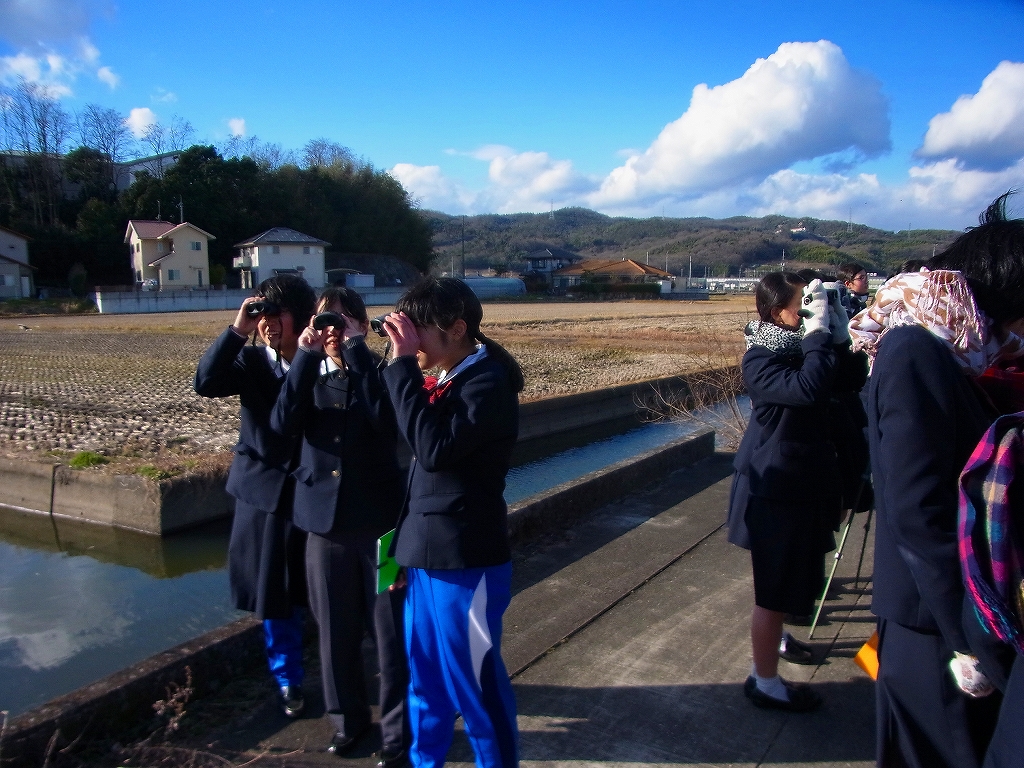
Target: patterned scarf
778, 340
990, 532
942, 303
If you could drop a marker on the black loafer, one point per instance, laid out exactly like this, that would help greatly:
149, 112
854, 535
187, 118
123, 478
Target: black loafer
292, 702
342, 744
795, 652
392, 758
802, 698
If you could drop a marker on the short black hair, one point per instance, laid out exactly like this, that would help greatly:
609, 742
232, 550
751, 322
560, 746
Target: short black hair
991, 258
351, 302
849, 270
291, 293
774, 291
811, 274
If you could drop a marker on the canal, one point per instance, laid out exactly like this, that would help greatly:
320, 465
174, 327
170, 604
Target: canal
78, 602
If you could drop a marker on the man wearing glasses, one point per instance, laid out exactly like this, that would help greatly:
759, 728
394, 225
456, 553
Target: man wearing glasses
855, 278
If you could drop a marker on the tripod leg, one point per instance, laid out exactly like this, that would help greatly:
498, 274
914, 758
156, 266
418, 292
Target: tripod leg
863, 546
828, 582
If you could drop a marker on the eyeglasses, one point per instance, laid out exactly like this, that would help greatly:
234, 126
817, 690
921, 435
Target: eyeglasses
859, 279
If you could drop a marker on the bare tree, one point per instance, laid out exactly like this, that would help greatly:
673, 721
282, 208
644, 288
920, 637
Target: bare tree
36, 128
324, 153
267, 155
180, 134
105, 130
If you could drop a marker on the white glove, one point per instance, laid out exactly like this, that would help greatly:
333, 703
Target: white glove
814, 308
839, 320
969, 677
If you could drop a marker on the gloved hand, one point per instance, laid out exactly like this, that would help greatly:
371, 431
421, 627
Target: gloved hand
969, 677
839, 320
814, 308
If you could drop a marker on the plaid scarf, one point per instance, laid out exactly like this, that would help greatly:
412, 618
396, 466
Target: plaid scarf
942, 303
778, 340
991, 531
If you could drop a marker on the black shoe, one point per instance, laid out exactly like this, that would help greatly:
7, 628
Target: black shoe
802, 698
342, 744
292, 702
795, 652
392, 758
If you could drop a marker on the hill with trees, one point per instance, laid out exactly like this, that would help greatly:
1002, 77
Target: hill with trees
724, 246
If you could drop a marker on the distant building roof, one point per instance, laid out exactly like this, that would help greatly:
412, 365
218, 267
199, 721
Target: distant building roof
154, 230
281, 236
613, 267
16, 234
554, 253
19, 263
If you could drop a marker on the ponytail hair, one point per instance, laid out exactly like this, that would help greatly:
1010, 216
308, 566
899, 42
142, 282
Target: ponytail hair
441, 301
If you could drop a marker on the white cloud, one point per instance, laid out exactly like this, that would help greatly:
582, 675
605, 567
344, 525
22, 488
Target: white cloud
802, 102
139, 119
237, 126
106, 75
45, 72
432, 189
26, 22
984, 130
164, 96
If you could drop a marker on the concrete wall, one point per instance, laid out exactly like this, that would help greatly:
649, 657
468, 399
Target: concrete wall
143, 302
124, 501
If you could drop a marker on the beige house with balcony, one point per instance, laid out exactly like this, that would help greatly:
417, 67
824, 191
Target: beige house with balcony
281, 251
169, 256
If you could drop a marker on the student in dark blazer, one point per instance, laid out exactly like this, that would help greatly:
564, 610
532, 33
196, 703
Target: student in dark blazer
348, 492
931, 333
786, 493
265, 551
452, 538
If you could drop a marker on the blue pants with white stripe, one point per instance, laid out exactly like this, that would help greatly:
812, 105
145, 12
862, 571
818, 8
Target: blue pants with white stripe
453, 639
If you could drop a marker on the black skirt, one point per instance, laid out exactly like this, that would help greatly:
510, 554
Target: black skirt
787, 549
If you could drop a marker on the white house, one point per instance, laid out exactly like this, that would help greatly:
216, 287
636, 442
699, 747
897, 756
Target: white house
281, 251
15, 272
175, 256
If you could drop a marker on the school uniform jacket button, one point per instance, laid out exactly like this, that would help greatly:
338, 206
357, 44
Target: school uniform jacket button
337, 439
336, 473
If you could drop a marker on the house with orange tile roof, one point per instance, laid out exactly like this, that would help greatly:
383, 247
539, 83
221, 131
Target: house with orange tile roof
607, 271
169, 256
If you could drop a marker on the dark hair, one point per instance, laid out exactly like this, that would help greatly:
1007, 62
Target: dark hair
351, 302
991, 258
774, 291
441, 301
849, 271
911, 265
811, 274
291, 293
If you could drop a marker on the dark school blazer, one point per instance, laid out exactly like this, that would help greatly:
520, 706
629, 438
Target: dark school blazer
348, 477
455, 512
262, 456
924, 419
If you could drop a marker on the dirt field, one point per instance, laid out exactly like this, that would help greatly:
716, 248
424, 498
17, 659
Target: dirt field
121, 385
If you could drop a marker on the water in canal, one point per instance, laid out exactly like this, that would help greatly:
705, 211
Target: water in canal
78, 602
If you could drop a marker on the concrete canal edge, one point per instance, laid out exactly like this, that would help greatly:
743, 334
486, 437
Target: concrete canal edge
157, 507
122, 703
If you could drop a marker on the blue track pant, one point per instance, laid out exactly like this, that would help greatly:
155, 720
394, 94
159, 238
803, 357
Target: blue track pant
453, 638
283, 638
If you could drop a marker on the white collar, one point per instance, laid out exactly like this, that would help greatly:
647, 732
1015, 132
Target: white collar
276, 360
480, 354
328, 366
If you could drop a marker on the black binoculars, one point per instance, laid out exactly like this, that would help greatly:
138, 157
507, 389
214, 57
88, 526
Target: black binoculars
325, 319
262, 307
377, 325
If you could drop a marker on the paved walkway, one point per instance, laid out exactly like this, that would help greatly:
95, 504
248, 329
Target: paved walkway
628, 643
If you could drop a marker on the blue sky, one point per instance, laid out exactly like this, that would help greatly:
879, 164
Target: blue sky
895, 113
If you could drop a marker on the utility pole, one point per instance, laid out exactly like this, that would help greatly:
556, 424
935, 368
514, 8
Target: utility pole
181, 210
463, 275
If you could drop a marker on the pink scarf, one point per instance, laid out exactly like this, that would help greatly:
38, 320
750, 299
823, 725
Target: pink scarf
942, 303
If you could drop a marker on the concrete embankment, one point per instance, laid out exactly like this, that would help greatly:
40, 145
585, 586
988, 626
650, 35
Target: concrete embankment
112, 708
162, 506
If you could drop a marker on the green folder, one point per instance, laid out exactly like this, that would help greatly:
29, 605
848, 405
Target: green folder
387, 568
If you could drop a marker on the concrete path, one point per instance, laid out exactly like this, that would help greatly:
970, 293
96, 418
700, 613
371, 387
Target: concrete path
627, 639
